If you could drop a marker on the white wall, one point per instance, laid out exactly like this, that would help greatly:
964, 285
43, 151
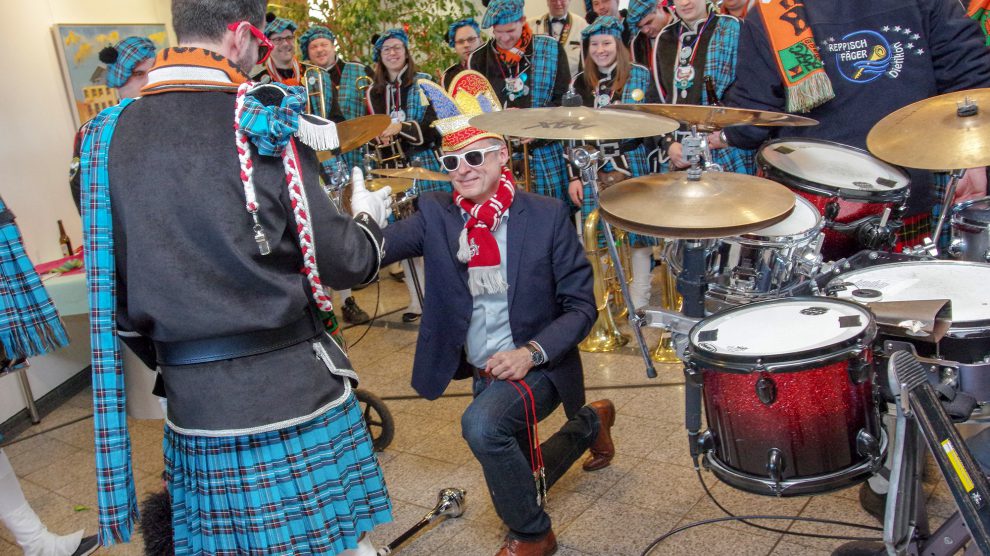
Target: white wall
36, 133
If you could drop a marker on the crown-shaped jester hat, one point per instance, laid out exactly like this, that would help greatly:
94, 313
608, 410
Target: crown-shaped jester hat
470, 94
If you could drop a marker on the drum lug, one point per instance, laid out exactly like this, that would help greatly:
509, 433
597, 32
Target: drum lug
775, 468
859, 368
831, 210
766, 390
956, 247
706, 442
867, 445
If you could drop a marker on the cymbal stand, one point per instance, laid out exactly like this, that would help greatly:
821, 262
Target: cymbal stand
335, 179
587, 162
696, 150
930, 246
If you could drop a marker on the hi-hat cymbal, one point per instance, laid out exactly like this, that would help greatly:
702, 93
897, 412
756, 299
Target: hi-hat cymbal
398, 185
938, 133
720, 204
414, 173
355, 133
711, 118
578, 123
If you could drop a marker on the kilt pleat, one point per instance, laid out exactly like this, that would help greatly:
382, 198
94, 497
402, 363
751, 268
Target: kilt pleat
307, 489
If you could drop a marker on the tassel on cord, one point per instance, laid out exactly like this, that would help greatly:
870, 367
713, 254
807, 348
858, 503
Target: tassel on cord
463, 249
318, 133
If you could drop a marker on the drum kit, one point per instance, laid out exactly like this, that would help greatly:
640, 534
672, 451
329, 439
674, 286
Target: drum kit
789, 288
785, 277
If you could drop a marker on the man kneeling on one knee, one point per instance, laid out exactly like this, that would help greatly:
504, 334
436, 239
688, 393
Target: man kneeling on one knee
509, 297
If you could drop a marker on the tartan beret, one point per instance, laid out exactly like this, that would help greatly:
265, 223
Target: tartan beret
121, 59
501, 12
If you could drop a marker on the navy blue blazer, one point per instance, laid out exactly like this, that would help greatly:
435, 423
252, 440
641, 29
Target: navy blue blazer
551, 295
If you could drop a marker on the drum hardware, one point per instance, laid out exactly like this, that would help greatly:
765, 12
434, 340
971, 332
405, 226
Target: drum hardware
587, 162
520, 166
450, 504
970, 236
921, 419
871, 232
604, 335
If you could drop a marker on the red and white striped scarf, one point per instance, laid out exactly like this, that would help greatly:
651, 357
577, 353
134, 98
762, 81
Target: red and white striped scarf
478, 247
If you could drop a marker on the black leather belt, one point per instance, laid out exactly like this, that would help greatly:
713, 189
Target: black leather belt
191, 352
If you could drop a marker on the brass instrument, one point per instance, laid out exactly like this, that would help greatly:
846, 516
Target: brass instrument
664, 352
315, 98
520, 168
604, 335
363, 79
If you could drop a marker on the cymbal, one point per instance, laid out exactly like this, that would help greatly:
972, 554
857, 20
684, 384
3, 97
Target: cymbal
398, 185
414, 173
720, 204
355, 133
711, 118
932, 134
578, 123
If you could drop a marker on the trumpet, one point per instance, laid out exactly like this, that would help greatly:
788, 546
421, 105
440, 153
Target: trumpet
604, 335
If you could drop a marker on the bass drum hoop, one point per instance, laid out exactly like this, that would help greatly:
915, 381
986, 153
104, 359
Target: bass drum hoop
803, 184
799, 486
699, 358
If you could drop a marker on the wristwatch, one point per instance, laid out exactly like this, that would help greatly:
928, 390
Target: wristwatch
535, 354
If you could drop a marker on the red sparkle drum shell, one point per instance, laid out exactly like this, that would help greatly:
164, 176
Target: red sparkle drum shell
823, 171
789, 396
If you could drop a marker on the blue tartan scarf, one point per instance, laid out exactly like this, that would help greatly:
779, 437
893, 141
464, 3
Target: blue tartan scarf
29, 322
544, 69
115, 492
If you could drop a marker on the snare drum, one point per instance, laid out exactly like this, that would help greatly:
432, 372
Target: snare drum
788, 395
762, 264
826, 172
971, 231
968, 338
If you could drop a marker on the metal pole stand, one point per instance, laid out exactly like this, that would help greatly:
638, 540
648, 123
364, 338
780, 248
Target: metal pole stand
587, 162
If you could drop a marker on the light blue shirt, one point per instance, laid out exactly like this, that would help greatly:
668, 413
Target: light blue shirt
489, 331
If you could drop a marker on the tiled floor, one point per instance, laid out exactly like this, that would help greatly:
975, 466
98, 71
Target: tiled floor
650, 487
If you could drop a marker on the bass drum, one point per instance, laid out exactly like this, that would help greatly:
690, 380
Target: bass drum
850, 180
788, 395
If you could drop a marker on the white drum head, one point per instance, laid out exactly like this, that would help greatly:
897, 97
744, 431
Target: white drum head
959, 281
833, 165
803, 218
780, 327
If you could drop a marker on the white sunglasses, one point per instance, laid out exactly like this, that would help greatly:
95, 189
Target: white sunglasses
473, 158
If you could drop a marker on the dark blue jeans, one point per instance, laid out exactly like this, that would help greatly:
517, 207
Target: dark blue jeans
494, 426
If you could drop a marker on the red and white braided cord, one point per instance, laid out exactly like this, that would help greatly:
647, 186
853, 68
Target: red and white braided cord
300, 206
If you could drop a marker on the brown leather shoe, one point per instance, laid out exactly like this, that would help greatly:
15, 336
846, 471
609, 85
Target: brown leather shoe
515, 547
602, 449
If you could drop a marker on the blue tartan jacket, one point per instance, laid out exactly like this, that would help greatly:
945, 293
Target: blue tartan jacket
547, 76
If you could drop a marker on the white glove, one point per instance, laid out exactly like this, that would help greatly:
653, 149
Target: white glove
376, 204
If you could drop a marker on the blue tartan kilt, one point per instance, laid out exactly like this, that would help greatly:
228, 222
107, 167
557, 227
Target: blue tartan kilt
639, 167
312, 488
549, 171
428, 160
